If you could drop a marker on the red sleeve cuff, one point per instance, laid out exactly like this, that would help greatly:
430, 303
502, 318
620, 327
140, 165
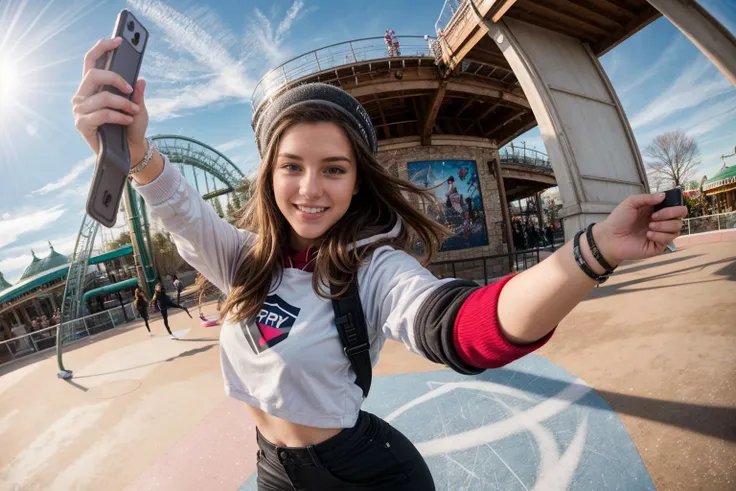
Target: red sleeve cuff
477, 336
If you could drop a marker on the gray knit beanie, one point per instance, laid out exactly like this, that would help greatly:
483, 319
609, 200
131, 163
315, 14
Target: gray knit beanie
317, 94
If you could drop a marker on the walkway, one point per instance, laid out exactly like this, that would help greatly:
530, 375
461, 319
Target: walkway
656, 342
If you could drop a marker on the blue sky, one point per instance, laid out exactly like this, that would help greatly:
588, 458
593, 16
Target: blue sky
203, 62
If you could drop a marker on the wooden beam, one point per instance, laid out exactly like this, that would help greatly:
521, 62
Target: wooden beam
501, 11
490, 109
383, 116
393, 86
563, 18
550, 25
431, 116
640, 21
504, 207
465, 106
514, 117
418, 113
586, 10
460, 55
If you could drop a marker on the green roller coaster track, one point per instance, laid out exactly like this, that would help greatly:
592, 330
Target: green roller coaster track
181, 151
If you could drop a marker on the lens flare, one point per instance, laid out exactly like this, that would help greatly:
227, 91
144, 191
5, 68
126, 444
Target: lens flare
9, 81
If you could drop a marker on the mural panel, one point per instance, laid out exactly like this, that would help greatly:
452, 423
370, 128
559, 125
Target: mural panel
457, 200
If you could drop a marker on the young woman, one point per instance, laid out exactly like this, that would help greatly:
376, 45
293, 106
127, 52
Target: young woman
164, 302
325, 212
140, 303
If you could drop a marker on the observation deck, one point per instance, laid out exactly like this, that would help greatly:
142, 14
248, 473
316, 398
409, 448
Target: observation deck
408, 95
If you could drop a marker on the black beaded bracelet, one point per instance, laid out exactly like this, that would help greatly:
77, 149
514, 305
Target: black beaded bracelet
600, 279
596, 252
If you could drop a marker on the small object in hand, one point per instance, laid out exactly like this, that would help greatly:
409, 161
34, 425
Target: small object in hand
673, 197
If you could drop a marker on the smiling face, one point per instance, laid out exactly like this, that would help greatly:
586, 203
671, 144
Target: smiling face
314, 179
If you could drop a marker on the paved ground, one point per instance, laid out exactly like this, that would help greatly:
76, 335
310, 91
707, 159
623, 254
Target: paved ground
657, 342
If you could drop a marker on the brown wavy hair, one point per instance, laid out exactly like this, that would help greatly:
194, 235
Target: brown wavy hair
380, 201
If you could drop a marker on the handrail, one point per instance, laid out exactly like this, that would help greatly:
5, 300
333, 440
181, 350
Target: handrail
525, 156
333, 56
709, 223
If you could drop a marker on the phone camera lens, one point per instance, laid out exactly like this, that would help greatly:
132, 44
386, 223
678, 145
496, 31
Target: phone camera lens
131, 26
136, 38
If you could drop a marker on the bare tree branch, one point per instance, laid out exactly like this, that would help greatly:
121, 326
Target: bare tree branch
672, 160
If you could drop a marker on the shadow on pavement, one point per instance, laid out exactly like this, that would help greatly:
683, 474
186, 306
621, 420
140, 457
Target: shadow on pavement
184, 354
651, 265
715, 421
729, 270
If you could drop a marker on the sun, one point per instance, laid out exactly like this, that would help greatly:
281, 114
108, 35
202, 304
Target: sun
9, 81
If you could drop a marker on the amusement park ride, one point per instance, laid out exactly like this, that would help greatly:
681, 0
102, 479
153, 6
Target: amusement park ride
211, 173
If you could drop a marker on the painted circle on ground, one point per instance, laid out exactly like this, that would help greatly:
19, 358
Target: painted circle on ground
181, 333
530, 426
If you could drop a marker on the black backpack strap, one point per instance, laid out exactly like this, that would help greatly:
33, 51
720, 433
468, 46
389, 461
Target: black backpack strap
353, 331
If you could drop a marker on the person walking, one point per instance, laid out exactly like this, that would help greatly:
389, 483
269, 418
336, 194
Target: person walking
178, 288
327, 223
140, 302
164, 302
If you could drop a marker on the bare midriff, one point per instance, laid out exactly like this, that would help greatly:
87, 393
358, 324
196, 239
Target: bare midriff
284, 433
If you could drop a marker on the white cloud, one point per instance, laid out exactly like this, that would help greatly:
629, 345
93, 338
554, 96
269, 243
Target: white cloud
699, 83
76, 171
270, 40
205, 72
233, 144
17, 225
669, 55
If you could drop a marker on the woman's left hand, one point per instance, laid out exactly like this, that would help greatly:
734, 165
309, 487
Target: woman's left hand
632, 231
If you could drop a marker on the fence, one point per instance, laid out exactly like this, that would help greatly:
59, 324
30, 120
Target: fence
709, 223
525, 156
334, 56
72, 331
488, 267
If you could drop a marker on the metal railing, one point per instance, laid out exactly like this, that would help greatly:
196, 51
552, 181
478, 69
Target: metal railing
73, 330
709, 223
487, 268
525, 156
337, 55
448, 13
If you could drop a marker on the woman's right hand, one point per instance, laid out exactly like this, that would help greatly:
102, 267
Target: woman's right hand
92, 107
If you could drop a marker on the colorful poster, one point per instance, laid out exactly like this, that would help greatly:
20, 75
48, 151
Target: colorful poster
457, 201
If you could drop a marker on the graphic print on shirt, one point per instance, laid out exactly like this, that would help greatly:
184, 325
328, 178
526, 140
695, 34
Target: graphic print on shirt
272, 324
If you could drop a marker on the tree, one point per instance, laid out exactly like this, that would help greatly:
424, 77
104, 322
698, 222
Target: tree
672, 160
168, 260
123, 239
231, 213
218, 207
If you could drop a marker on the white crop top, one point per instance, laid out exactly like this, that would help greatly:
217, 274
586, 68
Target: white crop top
288, 361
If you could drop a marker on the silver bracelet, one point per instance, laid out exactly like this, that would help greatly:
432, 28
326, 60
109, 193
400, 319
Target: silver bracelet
146, 160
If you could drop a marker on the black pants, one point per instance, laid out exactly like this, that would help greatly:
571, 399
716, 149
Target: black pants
165, 316
144, 316
370, 456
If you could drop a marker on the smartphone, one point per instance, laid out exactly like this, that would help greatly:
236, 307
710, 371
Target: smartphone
113, 159
673, 197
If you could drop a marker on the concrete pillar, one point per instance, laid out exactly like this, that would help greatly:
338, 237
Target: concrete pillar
53, 302
705, 32
588, 138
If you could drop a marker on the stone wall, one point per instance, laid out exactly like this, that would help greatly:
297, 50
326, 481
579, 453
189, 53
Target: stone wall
396, 157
